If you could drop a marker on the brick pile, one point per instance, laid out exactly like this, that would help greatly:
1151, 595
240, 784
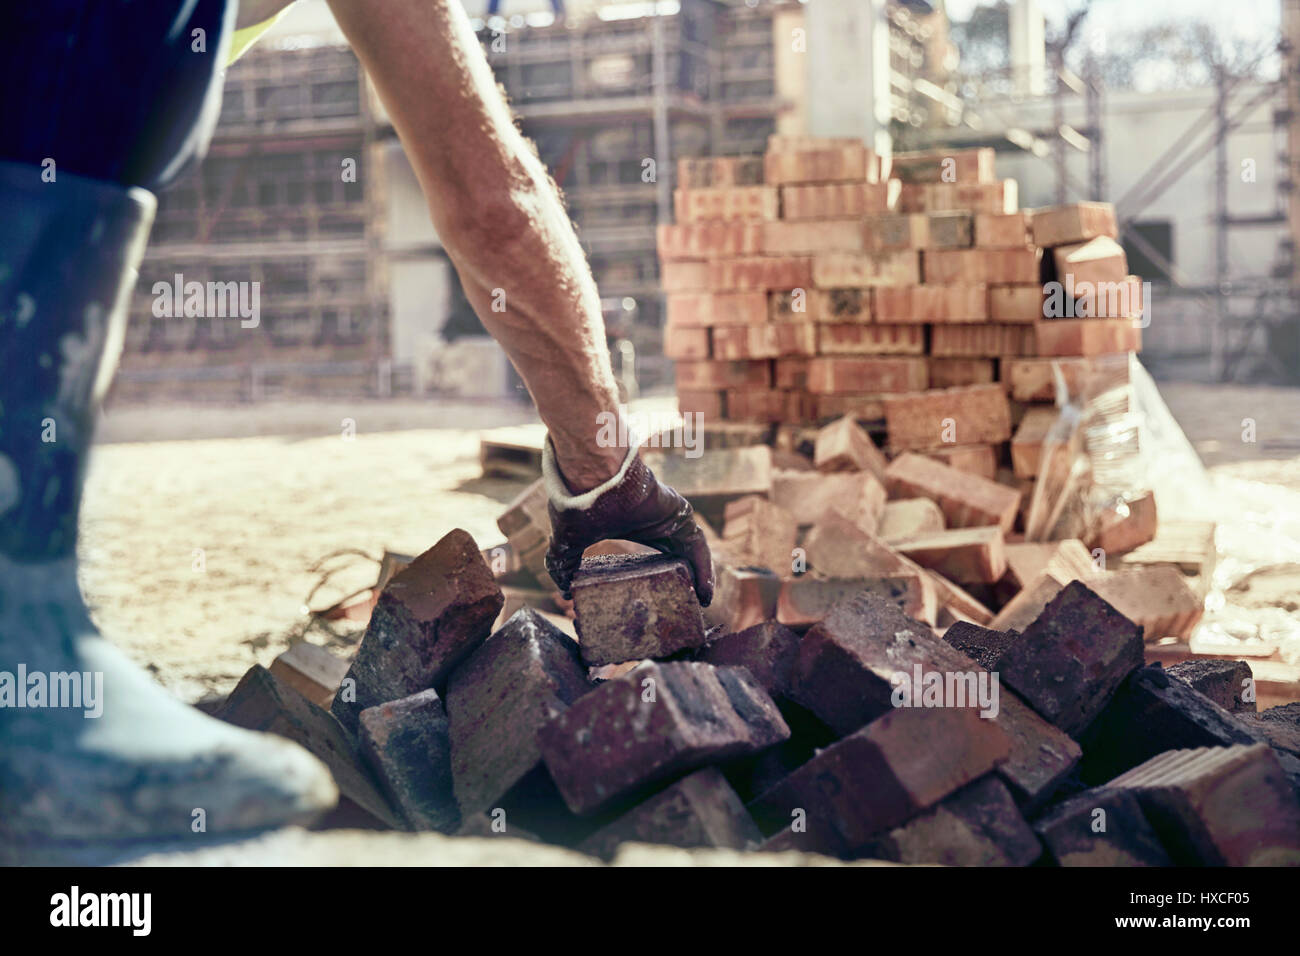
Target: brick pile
656, 725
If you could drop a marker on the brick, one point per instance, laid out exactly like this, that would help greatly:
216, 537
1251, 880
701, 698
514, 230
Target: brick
979, 825
407, 745
796, 305
955, 372
844, 375
844, 445
651, 724
805, 237
428, 619
767, 405
708, 376
1087, 337
264, 703
861, 406
842, 305
909, 518
1065, 560
1077, 834
700, 810
314, 672
700, 402
968, 415
853, 271
887, 233
965, 555
982, 340
981, 266
884, 773
761, 274
966, 500
775, 340
807, 600
950, 230
981, 644
838, 548
1222, 681
684, 277
826, 201
767, 650
1072, 658
686, 343
809, 495
981, 460
851, 162
1120, 531
722, 473
628, 607
759, 533
522, 676
1158, 598
1031, 379
998, 197
1099, 260
695, 172
1002, 230
1077, 222
1027, 444
1096, 296
727, 202
1219, 806
703, 309
870, 339
742, 597
709, 240
945, 166
937, 303
956, 605
1015, 303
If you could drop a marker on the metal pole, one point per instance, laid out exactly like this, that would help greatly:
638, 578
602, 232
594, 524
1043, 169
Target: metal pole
1220, 222
663, 173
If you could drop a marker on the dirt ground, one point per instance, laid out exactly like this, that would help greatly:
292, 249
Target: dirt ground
203, 526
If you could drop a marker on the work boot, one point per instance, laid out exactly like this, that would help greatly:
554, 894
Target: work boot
116, 758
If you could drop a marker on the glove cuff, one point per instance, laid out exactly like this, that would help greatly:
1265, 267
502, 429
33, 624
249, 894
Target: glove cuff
557, 492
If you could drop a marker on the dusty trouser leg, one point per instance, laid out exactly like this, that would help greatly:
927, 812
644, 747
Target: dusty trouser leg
91, 750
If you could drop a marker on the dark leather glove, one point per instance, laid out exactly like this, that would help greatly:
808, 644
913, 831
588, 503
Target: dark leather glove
631, 506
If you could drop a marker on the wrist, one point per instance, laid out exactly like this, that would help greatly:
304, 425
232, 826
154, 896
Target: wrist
577, 481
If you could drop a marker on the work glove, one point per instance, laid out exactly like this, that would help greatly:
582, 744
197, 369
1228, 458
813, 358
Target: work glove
631, 506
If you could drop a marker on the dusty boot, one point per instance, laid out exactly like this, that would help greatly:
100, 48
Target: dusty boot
91, 750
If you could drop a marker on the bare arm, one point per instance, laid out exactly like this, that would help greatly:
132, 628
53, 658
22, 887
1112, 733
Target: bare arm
500, 218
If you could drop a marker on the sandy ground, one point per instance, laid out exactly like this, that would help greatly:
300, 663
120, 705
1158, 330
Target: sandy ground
203, 526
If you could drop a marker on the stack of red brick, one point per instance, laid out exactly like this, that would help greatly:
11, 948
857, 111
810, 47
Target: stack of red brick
863, 735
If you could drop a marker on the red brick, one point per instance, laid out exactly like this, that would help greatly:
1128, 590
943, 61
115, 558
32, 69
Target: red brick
862, 406
700, 810
956, 605
651, 724
937, 303
708, 376
1222, 681
980, 266
999, 197
866, 376
1072, 658
851, 162
838, 547
897, 232
808, 599
845, 446
430, 617
1031, 379
1156, 597
682, 342
727, 202
1002, 230
629, 607
851, 271
521, 677
795, 306
808, 495
714, 309
706, 403
760, 534
1127, 839
314, 672
885, 773
870, 339
1219, 806
722, 473
1027, 445
966, 500
684, 276
806, 237
949, 230
945, 166
742, 598
709, 240
983, 645
1119, 533
1077, 222
968, 415
264, 703
767, 650
909, 518
1087, 337
1098, 260
1015, 303
982, 340
761, 274
955, 372
966, 555
695, 172
771, 340
407, 745
979, 460
850, 200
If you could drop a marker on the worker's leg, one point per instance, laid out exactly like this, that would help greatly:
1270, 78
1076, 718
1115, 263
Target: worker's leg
92, 749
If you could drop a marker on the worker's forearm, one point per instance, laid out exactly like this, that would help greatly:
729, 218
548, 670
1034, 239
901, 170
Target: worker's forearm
499, 218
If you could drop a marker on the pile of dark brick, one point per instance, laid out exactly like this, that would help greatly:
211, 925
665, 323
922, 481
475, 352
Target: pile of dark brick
770, 739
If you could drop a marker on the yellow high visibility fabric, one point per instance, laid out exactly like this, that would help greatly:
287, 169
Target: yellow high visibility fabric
246, 37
